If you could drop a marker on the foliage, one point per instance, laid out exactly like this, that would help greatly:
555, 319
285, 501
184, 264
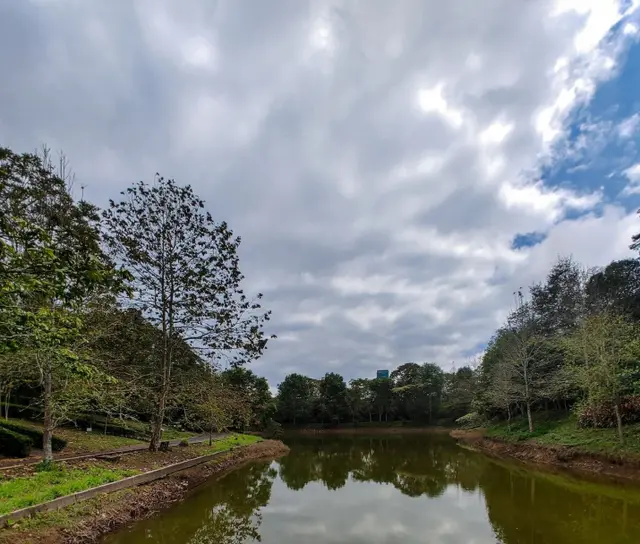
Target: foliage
273, 429
186, 280
14, 444
472, 420
35, 435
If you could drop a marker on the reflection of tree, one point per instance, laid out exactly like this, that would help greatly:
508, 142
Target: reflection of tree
525, 507
414, 465
234, 515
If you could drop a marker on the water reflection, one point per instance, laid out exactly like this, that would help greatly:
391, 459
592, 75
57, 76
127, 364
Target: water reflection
394, 489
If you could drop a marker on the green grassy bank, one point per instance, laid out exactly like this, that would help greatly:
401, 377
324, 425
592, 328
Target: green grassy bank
563, 431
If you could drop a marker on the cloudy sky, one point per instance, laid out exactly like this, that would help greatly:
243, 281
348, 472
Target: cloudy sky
396, 168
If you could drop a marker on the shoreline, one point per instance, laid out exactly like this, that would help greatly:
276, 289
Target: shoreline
90, 521
621, 468
367, 430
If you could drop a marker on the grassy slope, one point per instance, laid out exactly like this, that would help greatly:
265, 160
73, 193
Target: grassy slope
79, 441
44, 486
564, 432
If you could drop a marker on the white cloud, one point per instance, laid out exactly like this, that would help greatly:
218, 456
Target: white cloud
378, 159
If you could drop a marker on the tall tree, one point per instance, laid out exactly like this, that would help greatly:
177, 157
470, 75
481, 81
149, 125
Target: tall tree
295, 397
333, 397
186, 280
51, 262
605, 350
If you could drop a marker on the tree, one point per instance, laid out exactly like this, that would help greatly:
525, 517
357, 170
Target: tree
333, 397
432, 379
605, 352
219, 406
382, 390
186, 279
616, 288
558, 303
50, 263
522, 347
359, 399
295, 395
256, 391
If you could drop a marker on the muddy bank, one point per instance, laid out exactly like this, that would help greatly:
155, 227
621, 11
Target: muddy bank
618, 467
89, 521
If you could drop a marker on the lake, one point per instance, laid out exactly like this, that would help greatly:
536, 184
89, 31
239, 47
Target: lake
393, 489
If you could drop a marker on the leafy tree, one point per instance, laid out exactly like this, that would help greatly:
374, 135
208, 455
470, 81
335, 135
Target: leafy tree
295, 398
256, 391
333, 397
382, 390
50, 263
605, 351
616, 288
186, 280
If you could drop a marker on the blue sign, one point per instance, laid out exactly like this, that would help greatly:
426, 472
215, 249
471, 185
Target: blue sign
382, 374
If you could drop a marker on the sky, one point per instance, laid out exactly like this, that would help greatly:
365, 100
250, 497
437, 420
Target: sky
396, 169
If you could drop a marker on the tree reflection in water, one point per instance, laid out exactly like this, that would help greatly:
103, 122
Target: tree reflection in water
509, 504
411, 465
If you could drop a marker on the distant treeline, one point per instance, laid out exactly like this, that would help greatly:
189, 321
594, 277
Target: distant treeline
572, 343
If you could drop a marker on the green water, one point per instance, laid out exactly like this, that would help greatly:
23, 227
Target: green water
398, 489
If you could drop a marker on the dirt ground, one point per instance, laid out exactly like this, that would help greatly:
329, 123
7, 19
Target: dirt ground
611, 465
88, 521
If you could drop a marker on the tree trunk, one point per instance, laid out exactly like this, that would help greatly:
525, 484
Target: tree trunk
430, 409
529, 417
508, 417
616, 408
158, 419
211, 434
48, 416
7, 398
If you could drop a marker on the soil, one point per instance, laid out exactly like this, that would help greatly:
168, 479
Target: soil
613, 466
89, 521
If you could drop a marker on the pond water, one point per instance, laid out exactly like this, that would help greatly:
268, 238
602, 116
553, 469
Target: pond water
393, 489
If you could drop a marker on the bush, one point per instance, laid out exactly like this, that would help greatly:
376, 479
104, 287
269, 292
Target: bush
13, 444
273, 429
472, 420
603, 415
184, 443
34, 435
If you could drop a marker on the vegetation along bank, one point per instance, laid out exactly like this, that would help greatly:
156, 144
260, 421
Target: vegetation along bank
89, 520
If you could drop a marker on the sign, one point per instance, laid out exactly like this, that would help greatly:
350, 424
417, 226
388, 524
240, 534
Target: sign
382, 374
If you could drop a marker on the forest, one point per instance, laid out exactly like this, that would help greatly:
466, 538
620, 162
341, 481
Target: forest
137, 313
569, 345
132, 313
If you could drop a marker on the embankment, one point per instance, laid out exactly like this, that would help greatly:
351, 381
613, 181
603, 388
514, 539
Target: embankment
89, 521
617, 466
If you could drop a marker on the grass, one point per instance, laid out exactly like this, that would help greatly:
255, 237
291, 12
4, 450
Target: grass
229, 442
45, 486
563, 431
80, 442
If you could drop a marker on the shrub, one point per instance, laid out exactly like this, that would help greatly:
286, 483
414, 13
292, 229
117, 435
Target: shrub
46, 465
34, 435
13, 444
471, 420
273, 429
603, 415
184, 443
